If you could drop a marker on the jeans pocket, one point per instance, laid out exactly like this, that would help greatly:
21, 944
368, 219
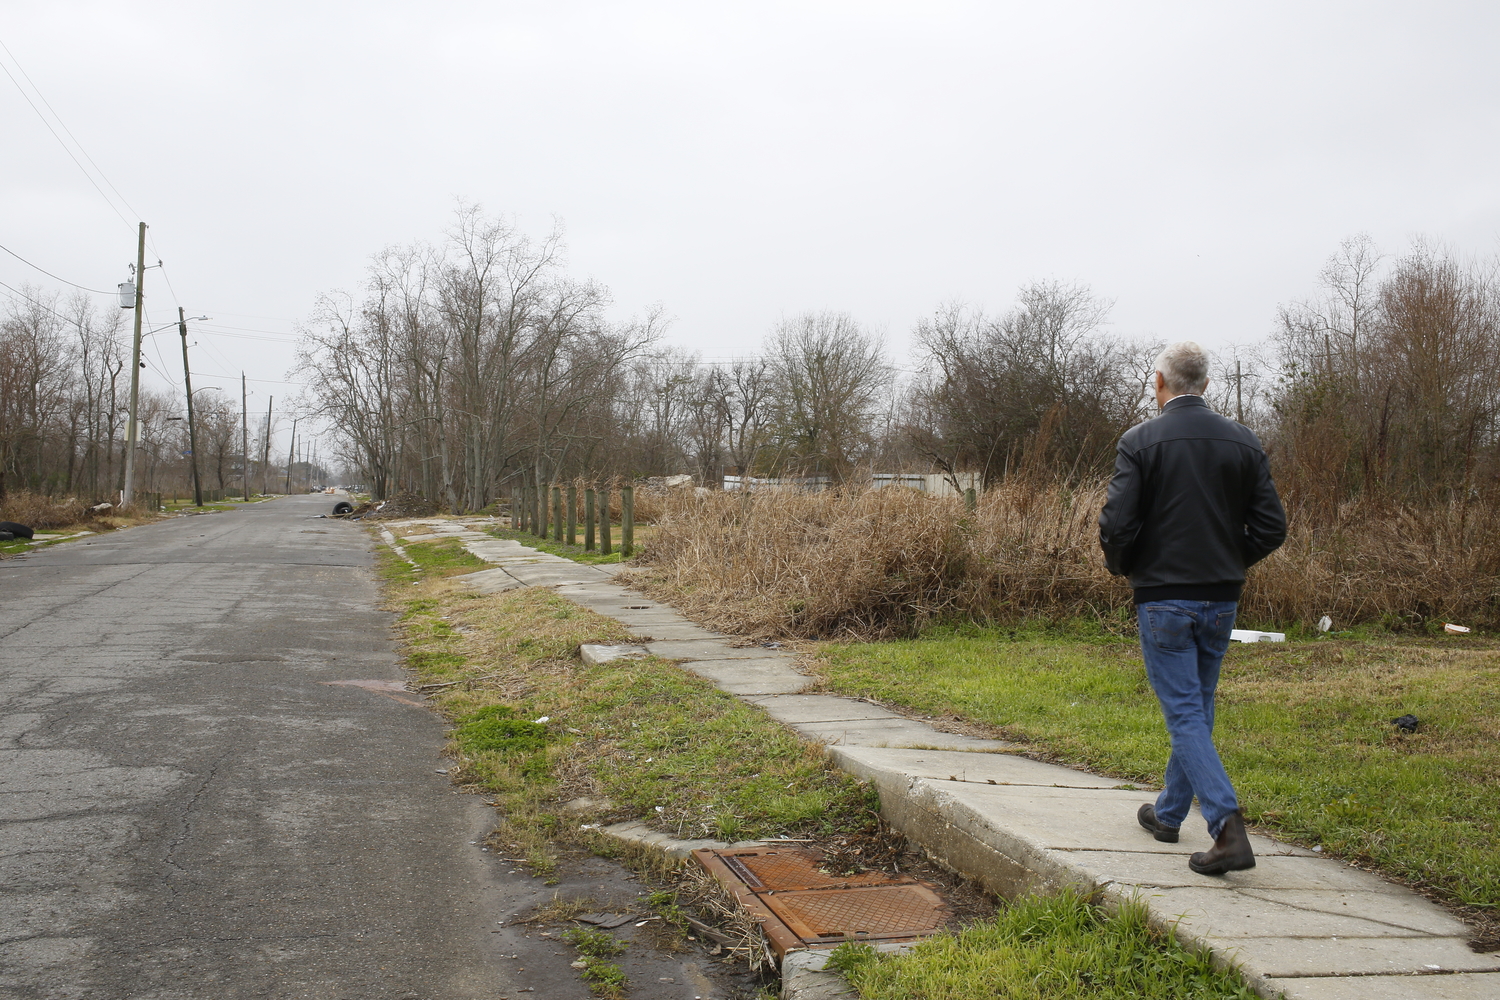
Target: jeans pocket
1170, 628
1218, 641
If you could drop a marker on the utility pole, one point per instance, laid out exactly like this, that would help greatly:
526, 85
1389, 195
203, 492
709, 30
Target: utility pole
265, 460
291, 452
132, 425
187, 381
245, 433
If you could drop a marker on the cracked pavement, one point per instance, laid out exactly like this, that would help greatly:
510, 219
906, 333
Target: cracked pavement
190, 806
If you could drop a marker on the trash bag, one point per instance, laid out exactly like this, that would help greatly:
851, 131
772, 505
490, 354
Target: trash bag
6, 536
343, 507
16, 530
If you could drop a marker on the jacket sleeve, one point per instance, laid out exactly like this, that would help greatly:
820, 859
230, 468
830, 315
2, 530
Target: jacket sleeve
1120, 520
1265, 520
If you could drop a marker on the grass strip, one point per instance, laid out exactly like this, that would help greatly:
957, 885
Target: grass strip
564, 746
1044, 948
1303, 728
434, 560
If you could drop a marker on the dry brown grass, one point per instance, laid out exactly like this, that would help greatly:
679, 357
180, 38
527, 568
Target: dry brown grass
62, 514
884, 563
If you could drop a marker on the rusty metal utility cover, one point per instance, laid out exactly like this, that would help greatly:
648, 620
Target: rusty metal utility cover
799, 905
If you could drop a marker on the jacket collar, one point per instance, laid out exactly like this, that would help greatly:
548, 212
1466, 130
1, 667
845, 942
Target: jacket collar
1177, 401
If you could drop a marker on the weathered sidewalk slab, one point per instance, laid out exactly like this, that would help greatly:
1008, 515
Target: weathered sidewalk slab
996, 768
1298, 925
1434, 986
594, 654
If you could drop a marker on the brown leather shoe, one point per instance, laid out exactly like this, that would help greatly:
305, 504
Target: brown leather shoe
1230, 853
1146, 816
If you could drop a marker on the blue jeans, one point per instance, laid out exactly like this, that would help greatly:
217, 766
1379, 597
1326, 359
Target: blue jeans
1183, 643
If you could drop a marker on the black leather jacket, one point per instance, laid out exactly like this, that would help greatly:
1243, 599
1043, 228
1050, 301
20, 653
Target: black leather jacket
1190, 507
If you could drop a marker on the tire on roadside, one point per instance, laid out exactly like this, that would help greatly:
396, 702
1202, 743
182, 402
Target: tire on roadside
343, 507
16, 530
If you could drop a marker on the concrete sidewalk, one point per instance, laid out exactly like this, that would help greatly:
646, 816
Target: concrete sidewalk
1298, 925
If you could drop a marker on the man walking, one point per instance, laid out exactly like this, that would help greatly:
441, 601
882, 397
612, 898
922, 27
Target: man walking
1190, 507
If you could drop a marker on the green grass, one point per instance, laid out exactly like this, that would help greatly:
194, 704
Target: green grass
187, 505
573, 552
594, 947
1303, 729
643, 738
1043, 948
434, 560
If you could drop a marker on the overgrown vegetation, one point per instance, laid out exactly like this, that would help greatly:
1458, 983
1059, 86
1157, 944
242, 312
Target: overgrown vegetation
1304, 729
564, 746
886, 563
1043, 948
52, 515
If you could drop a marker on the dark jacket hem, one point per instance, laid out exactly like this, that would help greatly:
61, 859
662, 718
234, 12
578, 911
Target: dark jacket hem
1189, 592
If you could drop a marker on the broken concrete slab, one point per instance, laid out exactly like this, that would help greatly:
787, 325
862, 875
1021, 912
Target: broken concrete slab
642, 835
548, 574
596, 654
489, 581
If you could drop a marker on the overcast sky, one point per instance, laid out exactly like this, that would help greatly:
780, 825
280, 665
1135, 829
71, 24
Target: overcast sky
1194, 162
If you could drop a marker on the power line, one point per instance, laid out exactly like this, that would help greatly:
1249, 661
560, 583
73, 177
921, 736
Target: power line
163, 269
60, 142
269, 381
54, 277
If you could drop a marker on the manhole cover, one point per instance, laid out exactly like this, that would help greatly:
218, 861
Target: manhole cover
799, 905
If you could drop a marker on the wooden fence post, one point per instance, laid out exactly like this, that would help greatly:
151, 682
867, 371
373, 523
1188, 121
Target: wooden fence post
589, 503
627, 521
971, 500
557, 514
572, 513
606, 547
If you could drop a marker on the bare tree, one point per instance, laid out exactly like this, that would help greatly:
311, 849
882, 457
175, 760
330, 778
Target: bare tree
829, 378
1041, 382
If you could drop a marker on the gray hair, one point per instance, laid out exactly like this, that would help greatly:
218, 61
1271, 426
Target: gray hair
1184, 367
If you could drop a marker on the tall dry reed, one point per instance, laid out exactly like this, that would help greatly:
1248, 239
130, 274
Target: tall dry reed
884, 563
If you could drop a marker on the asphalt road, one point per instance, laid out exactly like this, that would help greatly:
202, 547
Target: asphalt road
198, 800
